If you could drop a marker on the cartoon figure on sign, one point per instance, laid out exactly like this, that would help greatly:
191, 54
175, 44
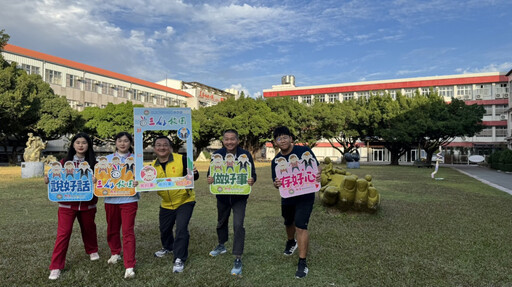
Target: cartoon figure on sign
243, 162
183, 133
282, 165
230, 162
308, 160
116, 162
102, 165
217, 162
294, 162
84, 169
130, 164
56, 169
69, 168
148, 173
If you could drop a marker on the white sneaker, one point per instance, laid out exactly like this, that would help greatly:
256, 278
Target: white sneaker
94, 256
113, 259
54, 274
178, 266
129, 273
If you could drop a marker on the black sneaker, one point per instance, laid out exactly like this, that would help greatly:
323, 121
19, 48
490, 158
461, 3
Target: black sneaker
302, 270
291, 245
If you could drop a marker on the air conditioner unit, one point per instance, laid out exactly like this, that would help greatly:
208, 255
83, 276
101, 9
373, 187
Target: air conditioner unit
505, 96
466, 97
478, 96
503, 116
498, 96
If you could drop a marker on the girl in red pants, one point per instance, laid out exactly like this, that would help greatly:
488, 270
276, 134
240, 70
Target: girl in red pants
79, 151
121, 211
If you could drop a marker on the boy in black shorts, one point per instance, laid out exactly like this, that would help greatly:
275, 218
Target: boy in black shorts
295, 210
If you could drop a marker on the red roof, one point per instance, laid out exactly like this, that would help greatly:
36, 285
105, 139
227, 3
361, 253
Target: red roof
388, 86
90, 69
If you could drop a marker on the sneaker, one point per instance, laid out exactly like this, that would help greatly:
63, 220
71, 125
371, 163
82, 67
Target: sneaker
302, 270
178, 266
237, 268
162, 252
113, 259
54, 274
94, 256
291, 245
129, 273
220, 249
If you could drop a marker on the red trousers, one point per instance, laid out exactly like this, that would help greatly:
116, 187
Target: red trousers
66, 218
122, 217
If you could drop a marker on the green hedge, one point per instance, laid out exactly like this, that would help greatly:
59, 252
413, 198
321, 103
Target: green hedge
501, 160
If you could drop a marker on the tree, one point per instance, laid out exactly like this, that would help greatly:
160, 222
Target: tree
390, 123
28, 104
299, 118
4, 38
335, 124
203, 129
104, 123
252, 118
441, 122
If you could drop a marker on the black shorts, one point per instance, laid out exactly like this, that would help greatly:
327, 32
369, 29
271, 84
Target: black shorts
298, 210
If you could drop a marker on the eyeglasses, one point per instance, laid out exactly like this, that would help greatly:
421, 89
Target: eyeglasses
282, 138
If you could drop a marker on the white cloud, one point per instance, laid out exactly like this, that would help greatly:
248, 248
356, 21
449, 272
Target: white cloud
493, 67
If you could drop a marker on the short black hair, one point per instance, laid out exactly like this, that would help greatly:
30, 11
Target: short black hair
282, 131
230, 131
162, 137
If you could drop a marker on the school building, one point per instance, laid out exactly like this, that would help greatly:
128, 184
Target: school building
88, 86
491, 90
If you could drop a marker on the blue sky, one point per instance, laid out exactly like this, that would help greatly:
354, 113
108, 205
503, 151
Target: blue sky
250, 45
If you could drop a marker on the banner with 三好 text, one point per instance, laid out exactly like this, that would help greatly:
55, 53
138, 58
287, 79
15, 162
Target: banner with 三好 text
166, 119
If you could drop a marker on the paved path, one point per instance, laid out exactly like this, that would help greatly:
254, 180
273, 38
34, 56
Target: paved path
499, 180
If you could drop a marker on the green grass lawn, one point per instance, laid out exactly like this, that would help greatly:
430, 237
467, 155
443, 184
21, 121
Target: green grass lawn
455, 232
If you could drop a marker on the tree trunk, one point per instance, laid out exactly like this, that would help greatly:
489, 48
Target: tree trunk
395, 156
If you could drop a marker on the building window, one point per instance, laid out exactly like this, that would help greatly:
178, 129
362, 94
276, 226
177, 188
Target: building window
88, 83
464, 92
365, 95
306, 100
482, 91
348, 96
486, 132
53, 77
89, 104
333, 98
295, 98
488, 110
500, 109
446, 91
72, 81
501, 132
410, 92
392, 93
425, 91
320, 98
30, 69
73, 104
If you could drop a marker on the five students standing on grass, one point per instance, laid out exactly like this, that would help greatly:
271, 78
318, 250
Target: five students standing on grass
177, 206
